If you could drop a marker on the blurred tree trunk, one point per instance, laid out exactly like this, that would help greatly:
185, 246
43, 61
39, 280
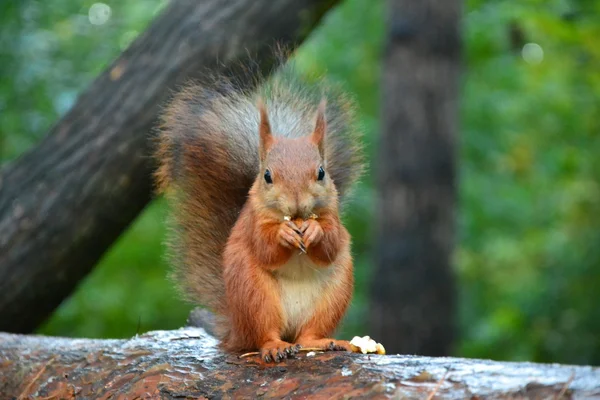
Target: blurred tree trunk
413, 292
67, 200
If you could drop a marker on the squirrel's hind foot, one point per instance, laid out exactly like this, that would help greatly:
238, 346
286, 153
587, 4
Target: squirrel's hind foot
326, 344
278, 350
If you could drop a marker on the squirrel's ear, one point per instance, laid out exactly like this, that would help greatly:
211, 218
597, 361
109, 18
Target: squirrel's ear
318, 135
264, 129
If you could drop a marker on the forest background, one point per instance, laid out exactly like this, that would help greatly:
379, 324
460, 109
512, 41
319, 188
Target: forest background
527, 259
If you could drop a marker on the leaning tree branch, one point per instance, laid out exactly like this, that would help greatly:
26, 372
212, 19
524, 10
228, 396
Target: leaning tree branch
186, 363
66, 201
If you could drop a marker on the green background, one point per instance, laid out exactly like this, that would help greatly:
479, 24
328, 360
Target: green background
528, 254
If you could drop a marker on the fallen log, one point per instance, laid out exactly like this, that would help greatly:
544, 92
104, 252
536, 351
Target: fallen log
187, 363
64, 203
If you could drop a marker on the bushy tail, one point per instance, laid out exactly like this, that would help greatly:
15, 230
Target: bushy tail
208, 160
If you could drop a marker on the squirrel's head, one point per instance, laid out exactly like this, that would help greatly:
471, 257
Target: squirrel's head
293, 178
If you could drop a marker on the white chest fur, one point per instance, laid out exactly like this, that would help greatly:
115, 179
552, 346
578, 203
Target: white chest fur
302, 286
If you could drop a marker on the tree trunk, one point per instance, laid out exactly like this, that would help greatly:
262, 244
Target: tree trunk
413, 294
186, 364
66, 201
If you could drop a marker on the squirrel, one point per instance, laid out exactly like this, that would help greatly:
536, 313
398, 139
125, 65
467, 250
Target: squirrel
255, 179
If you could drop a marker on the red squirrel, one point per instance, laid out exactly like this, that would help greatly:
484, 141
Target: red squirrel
255, 179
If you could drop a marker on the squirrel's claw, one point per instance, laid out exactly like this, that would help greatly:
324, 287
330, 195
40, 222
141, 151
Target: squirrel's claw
302, 248
277, 351
327, 344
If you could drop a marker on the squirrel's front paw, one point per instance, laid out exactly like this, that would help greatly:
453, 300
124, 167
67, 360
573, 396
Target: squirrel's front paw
290, 236
312, 232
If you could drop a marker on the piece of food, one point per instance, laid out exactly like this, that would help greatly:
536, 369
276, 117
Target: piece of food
366, 345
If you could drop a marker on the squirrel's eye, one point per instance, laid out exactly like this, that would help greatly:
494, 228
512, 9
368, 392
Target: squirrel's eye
321, 174
268, 178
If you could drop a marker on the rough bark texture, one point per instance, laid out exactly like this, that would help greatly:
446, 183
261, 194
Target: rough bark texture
66, 201
186, 364
413, 298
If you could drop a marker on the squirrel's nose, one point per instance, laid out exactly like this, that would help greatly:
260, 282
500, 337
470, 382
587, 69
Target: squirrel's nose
288, 204
306, 204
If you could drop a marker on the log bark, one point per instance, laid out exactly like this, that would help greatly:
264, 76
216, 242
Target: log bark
413, 298
186, 364
66, 201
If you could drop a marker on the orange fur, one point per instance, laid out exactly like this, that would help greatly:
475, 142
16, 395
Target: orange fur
331, 309
255, 253
272, 283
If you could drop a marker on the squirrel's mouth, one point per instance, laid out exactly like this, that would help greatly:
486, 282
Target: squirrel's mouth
304, 209
302, 216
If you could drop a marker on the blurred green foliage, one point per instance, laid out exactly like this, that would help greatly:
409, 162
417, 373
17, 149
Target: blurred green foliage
529, 260
529, 211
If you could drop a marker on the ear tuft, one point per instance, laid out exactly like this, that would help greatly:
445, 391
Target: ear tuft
318, 135
264, 130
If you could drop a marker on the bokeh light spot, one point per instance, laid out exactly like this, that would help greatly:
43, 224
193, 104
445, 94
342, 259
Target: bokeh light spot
99, 13
532, 53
